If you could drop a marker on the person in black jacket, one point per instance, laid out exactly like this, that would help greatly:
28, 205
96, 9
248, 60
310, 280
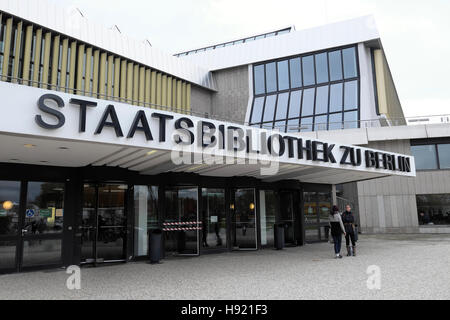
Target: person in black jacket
337, 229
349, 223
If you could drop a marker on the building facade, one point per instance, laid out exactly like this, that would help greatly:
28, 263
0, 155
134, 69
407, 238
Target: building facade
106, 139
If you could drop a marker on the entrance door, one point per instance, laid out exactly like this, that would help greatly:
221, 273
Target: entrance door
181, 224
244, 220
287, 216
104, 223
214, 219
31, 225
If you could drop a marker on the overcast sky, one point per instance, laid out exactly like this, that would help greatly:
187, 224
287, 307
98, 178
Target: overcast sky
415, 33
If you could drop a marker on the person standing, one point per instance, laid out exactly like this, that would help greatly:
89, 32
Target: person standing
337, 229
349, 223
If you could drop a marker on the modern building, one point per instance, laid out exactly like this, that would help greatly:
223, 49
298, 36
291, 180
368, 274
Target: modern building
105, 139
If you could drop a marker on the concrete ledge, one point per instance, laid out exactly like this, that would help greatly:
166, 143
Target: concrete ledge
435, 229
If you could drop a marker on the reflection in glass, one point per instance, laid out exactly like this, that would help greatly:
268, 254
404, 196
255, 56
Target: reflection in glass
287, 216
434, 209
271, 77
350, 67
260, 83
244, 219
280, 125
336, 98
268, 209
269, 110
214, 233
322, 67
296, 73
308, 71
45, 208
322, 100
9, 207
335, 65
444, 156
306, 124
425, 156
351, 120
283, 75
282, 106
258, 106
145, 217
7, 254
294, 104
308, 102
320, 123
351, 95
293, 125
41, 252
335, 121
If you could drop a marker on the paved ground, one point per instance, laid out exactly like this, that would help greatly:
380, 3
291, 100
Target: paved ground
412, 267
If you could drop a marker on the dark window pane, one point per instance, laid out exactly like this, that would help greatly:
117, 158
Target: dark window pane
335, 122
271, 77
296, 73
351, 120
282, 106
306, 124
336, 97
444, 156
293, 125
269, 110
322, 67
258, 105
320, 123
45, 208
260, 84
351, 95
294, 104
283, 75
308, 71
322, 100
33, 252
9, 207
349, 57
308, 102
280, 125
335, 65
434, 209
426, 158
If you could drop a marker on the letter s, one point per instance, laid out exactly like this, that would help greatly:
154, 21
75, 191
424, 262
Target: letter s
58, 115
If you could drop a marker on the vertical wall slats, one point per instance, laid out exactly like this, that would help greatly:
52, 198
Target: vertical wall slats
46, 61
102, 77
183, 96
64, 60
80, 68
158, 89
153, 93
130, 78
72, 67
148, 86
88, 71
188, 98
174, 93
169, 92
123, 81
95, 73
141, 86
109, 86
55, 63
136, 84
117, 65
37, 58
7, 49
27, 54
179, 96
17, 48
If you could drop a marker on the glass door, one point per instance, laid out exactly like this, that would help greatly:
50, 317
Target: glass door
104, 223
214, 219
244, 220
181, 224
287, 216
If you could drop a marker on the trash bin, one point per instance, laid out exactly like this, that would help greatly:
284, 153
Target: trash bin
279, 236
155, 246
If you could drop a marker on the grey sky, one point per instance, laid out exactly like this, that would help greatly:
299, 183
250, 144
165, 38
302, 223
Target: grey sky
415, 33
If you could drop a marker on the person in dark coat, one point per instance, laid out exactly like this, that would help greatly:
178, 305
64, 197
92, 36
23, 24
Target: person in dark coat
349, 223
337, 229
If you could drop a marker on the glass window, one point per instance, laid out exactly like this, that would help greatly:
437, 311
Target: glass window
320, 123
280, 125
351, 95
271, 77
145, 217
426, 157
434, 209
296, 73
350, 67
351, 120
308, 71
45, 208
294, 104
260, 84
336, 98
32, 252
335, 65
283, 75
258, 106
308, 102
293, 125
335, 121
306, 124
322, 67
269, 110
214, 219
282, 106
322, 100
444, 156
9, 207
268, 209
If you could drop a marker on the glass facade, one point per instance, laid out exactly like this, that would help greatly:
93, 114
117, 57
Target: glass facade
434, 209
434, 156
146, 215
308, 93
317, 206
